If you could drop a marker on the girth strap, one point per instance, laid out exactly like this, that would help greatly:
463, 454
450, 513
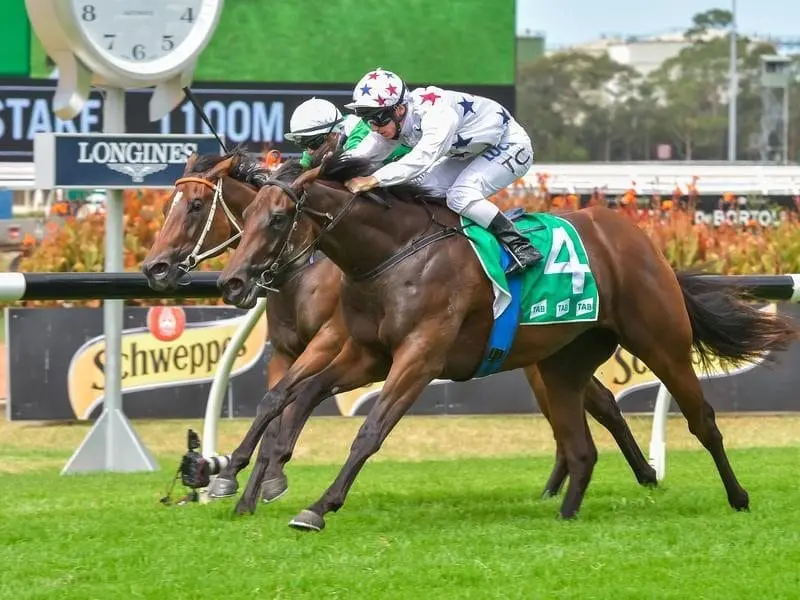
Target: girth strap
414, 247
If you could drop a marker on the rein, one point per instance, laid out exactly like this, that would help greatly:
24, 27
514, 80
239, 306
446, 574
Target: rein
195, 256
267, 278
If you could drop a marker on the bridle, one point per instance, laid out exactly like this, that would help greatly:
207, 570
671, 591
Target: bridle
269, 275
195, 256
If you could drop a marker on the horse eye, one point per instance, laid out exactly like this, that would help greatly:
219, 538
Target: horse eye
277, 219
196, 205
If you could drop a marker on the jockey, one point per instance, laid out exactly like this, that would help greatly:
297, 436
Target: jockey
465, 147
316, 119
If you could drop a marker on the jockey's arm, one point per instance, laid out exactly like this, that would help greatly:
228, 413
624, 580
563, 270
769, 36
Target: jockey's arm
438, 132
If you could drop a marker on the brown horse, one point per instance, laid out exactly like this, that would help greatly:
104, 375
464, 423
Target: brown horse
418, 306
306, 305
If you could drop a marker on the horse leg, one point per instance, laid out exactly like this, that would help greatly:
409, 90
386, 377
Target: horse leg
566, 374
281, 446
412, 369
313, 359
275, 373
351, 368
601, 404
277, 367
559, 472
670, 360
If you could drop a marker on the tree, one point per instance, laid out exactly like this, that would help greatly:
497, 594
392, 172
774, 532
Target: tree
560, 99
583, 107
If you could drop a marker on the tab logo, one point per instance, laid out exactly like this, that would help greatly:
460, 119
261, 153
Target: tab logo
539, 309
584, 306
562, 308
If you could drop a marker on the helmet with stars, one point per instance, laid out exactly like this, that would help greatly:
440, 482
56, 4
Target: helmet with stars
376, 92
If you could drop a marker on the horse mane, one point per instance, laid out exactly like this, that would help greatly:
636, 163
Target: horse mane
247, 168
290, 170
341, 167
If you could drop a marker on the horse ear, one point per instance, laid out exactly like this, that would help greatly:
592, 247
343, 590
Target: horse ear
190, 162
307, 178
222, 167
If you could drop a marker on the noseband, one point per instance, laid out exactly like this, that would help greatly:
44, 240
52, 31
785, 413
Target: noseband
195, 256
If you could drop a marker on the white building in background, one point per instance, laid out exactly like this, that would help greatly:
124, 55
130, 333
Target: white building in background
644, 53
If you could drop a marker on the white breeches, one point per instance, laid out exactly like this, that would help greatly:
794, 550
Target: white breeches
467, 183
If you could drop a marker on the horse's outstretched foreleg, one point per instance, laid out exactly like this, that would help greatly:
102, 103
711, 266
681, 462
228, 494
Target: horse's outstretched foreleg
352, 367
414, 366
319, 352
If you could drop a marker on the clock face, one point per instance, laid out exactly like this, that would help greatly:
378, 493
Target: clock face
138, 31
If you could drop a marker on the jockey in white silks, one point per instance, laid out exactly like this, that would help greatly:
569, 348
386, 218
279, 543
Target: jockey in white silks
463, 146
315, 119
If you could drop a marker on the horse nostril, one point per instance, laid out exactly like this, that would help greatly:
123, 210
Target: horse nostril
157, 270
234, 285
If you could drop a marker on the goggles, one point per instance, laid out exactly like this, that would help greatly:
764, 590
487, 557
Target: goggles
376, 117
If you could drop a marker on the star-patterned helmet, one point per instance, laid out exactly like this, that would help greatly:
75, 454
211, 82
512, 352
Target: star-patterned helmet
378, 89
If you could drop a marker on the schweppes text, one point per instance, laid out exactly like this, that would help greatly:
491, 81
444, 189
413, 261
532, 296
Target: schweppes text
148, 362
139, 361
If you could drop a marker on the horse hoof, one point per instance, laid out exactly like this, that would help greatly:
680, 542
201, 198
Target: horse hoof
649, 479
741, 504
272, 489
547, 494
308, 520
222, 488
243, 508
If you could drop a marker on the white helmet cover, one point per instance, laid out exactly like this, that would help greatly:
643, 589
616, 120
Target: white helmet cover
313, 117
378, 89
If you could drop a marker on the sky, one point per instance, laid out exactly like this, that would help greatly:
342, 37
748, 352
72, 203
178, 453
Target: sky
566, 22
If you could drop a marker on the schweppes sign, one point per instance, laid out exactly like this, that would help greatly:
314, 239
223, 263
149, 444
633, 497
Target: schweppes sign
168, 352
623, 374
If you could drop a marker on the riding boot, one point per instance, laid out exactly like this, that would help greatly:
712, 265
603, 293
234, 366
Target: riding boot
523, 253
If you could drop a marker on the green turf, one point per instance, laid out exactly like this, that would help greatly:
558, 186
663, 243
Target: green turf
465, 529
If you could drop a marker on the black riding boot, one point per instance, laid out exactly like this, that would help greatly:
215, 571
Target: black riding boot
523, 253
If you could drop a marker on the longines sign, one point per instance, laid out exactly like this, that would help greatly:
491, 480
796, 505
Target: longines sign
115, 161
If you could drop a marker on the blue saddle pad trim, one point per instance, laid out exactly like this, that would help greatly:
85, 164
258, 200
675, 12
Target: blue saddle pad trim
505, 326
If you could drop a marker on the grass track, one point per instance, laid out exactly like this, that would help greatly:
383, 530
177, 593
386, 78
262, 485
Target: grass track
471, 528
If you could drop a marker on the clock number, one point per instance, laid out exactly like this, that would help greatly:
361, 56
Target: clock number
138, 52
188, 16
88, 13
167, 43
110, 37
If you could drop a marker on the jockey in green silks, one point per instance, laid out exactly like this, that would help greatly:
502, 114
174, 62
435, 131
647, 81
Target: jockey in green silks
315, 119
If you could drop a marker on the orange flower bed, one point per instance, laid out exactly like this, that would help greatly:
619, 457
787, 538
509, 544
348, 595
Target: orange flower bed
78, 245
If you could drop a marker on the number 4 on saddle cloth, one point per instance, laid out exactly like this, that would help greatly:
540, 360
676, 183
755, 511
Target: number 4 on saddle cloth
559, 289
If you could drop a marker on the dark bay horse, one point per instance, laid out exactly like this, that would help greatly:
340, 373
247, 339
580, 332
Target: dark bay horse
417, 311
203, 222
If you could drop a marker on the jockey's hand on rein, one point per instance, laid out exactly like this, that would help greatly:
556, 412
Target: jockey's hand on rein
361, 184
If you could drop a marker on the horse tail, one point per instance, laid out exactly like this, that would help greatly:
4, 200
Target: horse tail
726, 325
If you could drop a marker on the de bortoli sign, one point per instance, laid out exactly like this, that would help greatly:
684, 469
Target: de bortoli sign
115, 161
